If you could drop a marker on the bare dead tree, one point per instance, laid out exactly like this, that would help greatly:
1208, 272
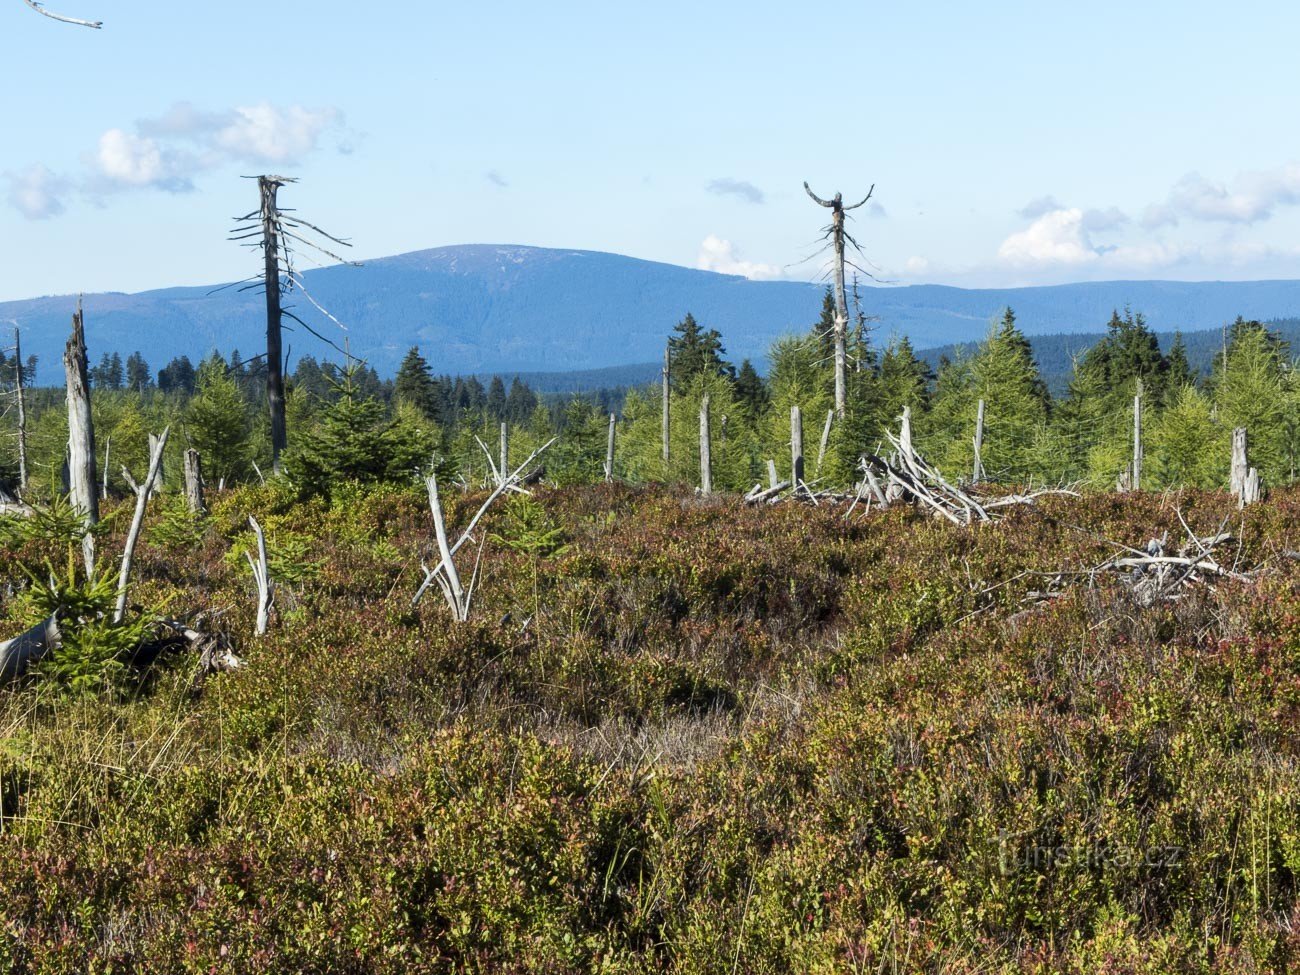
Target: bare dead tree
194, 482
666, 420
21, 395
277, 232
706, 449
81, 438
142, 494
837, 236
40, 9
445, 573
261, 567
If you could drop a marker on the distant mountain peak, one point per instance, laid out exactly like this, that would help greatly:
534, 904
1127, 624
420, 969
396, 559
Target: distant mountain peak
476, 308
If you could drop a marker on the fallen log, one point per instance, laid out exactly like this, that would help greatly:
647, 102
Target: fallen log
22, 651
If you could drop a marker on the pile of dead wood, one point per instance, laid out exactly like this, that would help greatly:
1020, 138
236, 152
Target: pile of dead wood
1159, 572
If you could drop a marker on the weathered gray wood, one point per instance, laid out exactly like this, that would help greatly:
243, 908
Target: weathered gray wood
21, 392
269, 187
907, 454
449, 581
194, 482
157, 486
826, 439
666, 422
108, 452
609, 449
39, 7
706, 449
143, 493
1240, 463
22, 651
504, 467
977, 472
1252, 490
841, 328
796, 447
261, 567
439, 573
1137, 440
772, 479
81, 438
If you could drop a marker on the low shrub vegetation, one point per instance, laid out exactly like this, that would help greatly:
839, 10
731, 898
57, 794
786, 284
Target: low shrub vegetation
677, 734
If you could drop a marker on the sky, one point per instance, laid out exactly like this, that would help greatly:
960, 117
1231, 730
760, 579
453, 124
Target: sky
1009, 143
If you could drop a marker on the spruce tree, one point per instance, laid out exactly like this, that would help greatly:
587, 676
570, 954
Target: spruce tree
751, 391
138, 376
694, 351
496, 400
217, 422
414, 384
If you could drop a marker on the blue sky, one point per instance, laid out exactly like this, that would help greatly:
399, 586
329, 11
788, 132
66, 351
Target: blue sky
1009, 142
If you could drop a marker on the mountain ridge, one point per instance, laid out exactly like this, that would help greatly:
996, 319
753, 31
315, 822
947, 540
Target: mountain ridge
514, 308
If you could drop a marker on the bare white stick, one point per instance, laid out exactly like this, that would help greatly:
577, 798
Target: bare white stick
977, 473
706, 449
22, 413
1137, 440
609, 449
262, 575
509, 483
826, 439
796, 446
505, 451
142, 495
665, 420
451, 582
40, 9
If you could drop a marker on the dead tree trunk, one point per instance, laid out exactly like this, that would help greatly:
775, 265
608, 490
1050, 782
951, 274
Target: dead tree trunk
21, 392
157, 487
826, 439
609, 450
269, 187
143, 492
18, 654
667, 416
977, 472
706, 449
81, 438
1245, 483
261, 567
905, 437
837, 237
108, 452
772, 480
504, 467
796, 447
1240, 466
194, 482
1136, 482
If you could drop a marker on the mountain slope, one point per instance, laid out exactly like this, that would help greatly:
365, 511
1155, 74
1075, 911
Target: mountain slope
488, 308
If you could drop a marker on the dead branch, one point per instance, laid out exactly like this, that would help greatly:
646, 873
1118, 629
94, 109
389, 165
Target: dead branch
142, 494
40, 9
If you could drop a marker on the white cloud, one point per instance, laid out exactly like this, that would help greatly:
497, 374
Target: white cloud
170, 151
265, 133
1255, 196
36, 192
1057, 237
721, 256
131, 160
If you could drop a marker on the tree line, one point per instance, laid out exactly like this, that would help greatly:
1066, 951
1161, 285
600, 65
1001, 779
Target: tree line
349, 424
